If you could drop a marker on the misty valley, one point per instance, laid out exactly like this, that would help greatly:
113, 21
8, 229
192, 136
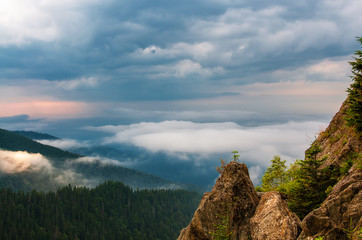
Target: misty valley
50, 193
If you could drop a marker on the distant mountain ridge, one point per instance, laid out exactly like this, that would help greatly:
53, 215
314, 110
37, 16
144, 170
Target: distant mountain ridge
72, 168
35, 135
14, 142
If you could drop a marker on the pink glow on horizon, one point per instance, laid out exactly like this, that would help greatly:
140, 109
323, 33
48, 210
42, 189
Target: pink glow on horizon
48, 109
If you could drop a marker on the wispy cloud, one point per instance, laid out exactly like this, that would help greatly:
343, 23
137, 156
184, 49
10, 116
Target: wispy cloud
20, 161
14, 162
99, 160
91, 82
185, 68
198, 51
64, 144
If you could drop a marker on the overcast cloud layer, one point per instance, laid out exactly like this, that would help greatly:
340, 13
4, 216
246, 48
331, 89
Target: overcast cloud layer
71, 59
210, 68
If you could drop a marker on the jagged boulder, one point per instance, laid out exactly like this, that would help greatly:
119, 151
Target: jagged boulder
340, 214
232, 199
274, 220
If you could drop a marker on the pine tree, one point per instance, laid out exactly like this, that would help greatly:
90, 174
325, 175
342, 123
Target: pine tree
275, 176
354, 111
309, 188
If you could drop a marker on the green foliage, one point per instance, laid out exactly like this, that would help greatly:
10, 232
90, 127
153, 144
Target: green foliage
275, 176
109, 211
222, 229
223, 162
311, 183
354, 111
359, 161
346, 166
351, 231
319, 238
335, 138
304, 182
235, 156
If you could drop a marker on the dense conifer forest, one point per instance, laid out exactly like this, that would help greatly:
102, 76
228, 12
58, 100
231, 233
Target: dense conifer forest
109, 211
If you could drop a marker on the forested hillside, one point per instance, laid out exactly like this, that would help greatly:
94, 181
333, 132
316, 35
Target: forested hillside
35, 135
64, 167
15, 142
109, 211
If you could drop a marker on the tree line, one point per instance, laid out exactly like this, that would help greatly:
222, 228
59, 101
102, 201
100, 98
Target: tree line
109, 211
305, 184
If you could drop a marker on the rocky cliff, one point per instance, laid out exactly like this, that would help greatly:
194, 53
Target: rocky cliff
340, 215
274, 220
227, 209
339, 142
233, 210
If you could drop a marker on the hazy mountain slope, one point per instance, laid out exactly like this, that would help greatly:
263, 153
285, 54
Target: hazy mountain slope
35, 135
15, 142
134, 178
28, 170
103, 151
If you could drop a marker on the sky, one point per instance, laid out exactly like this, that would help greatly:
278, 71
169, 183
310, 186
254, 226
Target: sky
190, 80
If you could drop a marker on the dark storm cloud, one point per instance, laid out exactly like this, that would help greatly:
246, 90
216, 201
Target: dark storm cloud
174, 56
243, 37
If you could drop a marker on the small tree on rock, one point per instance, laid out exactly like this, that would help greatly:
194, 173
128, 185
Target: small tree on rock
275, 176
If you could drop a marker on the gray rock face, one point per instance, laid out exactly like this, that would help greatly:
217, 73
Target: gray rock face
233, 199
340, 214
273, 219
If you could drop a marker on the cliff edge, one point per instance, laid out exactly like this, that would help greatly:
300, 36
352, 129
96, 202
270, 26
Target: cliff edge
233, 210
227, 209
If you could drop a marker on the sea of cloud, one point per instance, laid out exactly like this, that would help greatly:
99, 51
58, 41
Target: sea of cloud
256, 145
182, 151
